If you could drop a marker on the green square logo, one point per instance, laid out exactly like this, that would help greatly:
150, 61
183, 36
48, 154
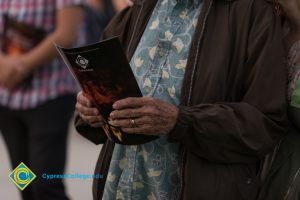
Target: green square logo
22, 176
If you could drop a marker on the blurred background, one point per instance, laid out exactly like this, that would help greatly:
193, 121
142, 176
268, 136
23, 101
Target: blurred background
82, 157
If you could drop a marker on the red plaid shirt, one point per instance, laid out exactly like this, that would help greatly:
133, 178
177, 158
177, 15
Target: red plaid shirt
48, 81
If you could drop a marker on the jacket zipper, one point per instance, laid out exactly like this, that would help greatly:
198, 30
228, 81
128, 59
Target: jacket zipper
197, 53
183, 158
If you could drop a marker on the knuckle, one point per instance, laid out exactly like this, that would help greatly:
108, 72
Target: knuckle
149, 110
78, 107
130, 98
131, 113
139, 112
133, 100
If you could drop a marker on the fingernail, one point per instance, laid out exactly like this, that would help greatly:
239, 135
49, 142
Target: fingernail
114, 106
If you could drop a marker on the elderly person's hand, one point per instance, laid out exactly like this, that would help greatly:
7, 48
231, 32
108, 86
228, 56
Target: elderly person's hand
144, 115
88, 112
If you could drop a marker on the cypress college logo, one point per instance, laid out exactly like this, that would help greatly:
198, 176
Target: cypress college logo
22, 176
82, 62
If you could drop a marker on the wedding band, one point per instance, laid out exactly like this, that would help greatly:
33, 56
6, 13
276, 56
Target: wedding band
133, 123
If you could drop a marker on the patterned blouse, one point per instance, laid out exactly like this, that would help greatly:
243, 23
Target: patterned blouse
152, 171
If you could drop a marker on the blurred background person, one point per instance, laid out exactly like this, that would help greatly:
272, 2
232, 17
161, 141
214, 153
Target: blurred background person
283, 179
97, 15
37, 92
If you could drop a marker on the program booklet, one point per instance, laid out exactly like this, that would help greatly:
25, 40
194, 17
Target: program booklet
19, 37
104, 74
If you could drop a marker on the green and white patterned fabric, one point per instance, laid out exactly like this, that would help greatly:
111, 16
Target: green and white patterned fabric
152, 171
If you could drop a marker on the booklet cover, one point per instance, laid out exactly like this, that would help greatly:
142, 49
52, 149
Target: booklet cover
19, 37
104, 74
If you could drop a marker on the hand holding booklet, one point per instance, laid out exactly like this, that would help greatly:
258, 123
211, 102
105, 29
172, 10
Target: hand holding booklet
104, 74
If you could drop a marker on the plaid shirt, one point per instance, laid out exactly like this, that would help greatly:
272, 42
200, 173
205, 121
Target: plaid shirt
48, 81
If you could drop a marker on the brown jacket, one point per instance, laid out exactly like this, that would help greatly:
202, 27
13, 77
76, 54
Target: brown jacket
233, 106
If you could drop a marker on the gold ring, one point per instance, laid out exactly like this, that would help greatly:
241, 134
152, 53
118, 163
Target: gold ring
133, 123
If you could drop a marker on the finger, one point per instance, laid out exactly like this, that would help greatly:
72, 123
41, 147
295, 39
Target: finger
131, 102
82, 109
130, 113
91, 119
134, 130
131, 123
140, 130
83, 99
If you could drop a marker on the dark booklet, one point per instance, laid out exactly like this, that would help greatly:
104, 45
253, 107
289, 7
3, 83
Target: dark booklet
19, 37
104, 74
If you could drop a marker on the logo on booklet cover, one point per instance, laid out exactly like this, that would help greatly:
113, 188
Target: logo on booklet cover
22, 176
82, 62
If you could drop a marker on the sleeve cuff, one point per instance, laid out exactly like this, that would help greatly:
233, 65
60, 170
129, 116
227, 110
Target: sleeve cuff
182, 126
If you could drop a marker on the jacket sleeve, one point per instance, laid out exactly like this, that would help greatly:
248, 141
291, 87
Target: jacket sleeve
244, 131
